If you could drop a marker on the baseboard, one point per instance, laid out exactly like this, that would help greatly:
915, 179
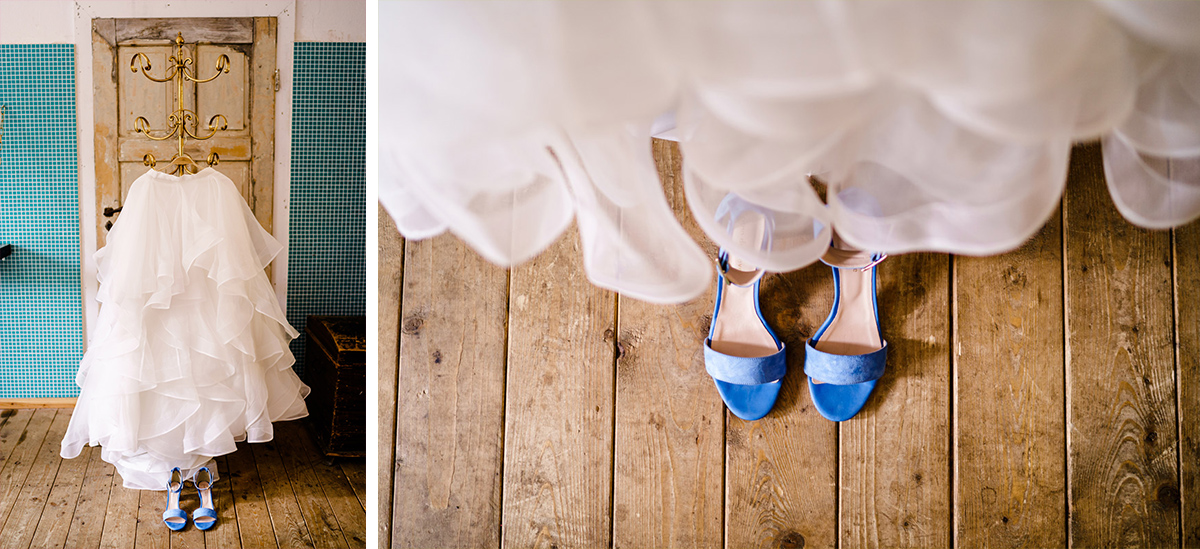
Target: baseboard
17, 403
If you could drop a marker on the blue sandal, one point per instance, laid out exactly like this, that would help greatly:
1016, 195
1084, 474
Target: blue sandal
174, 517
744, 357
206, 516
848, 354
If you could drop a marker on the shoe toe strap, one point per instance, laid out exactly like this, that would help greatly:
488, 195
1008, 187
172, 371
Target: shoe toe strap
744, 370
844, 369
174, 513
204, 512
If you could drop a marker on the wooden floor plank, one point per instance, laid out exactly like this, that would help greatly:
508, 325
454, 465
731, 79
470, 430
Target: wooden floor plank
391, 280
1010, 459
670, 429
450, 403
894, 473
355, 471
558, 439
253, 517
87, 523
31, 500
1187, 326
120, 516
151, 532
286, 518
21, 461
1122, 429
318, 515
343, 502
225, 533
782, 469
11, 432
190, 537
55, 521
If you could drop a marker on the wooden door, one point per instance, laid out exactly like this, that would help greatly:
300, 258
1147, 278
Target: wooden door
245, 95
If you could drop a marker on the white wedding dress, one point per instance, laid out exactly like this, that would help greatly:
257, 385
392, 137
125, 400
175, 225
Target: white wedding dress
941, 126
190, 351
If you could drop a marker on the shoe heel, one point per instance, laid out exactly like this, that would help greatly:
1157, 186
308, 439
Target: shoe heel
174, 517
206, 516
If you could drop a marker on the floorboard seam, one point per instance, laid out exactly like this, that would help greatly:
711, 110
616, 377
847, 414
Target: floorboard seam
1178, 381
612, 453
952, 489
503, 405
259, 474
24, 479
1066, 345
395, 426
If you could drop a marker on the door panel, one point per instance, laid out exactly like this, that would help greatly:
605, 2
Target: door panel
227, 94
140, 96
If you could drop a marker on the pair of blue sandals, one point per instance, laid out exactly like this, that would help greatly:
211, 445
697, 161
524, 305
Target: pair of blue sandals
843, 360
206, 516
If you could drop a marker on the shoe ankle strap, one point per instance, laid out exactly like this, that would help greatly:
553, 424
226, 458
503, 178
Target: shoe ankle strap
723, 272
857, 260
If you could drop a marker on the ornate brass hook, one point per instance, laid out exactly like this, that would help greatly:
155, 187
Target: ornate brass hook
222, 67
145, 66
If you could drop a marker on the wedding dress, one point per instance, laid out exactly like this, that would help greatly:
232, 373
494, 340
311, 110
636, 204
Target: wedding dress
190, 351
942, 126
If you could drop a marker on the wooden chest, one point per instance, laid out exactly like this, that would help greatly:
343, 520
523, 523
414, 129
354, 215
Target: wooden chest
336, 369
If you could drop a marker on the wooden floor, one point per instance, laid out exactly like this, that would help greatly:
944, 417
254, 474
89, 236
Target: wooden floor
1047, 397
277, 494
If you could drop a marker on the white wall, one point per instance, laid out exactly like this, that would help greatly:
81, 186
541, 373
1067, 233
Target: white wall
53, 21
37, 22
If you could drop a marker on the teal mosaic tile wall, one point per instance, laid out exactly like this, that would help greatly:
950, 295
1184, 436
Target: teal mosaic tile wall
327, 246
41, 308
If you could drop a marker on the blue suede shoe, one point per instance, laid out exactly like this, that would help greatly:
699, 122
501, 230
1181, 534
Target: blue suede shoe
206, 516
744, 357
847, 355
174, 517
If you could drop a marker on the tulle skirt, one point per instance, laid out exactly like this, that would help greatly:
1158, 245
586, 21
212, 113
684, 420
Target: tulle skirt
940, 126
190, 351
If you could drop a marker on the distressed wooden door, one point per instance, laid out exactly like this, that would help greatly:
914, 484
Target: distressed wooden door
245, 96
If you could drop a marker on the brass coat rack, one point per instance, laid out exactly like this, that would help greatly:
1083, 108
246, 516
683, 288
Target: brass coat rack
180, 69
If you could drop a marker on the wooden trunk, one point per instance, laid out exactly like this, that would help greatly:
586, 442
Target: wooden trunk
336, 370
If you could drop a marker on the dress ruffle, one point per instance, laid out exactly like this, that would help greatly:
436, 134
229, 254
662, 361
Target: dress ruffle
190, 351
941, 126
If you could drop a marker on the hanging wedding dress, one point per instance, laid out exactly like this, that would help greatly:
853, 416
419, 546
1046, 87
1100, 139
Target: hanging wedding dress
941, 126
190, 351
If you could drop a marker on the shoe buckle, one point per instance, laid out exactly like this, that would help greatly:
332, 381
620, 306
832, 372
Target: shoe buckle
723, 273
877, 260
